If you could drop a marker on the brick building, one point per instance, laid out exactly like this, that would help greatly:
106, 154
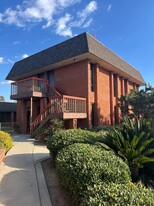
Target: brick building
7, 112
78, 80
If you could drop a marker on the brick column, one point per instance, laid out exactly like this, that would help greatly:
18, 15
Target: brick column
111, 99
122, 86
96, 96
88, 81
73, 123
125, 86
119, 92
22, 115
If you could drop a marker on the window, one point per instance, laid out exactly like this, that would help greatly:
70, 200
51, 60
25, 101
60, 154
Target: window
115, 84
51, 78
125, 86
40, 75
92, 76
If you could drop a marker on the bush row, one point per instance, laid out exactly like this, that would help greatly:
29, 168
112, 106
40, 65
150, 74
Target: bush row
5, 141
93, 175
82, 165
64, 138
117, 194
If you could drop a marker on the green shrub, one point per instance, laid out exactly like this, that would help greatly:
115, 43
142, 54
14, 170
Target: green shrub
82, 165
135, 144
102, 128
5, 141
64, 138
53, 126
117, 194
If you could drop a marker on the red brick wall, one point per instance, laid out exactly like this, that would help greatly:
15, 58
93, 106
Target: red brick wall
73, 79
103, 96
22, 115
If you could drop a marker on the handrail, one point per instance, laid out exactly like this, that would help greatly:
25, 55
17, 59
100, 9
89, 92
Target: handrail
61, 104
29, 78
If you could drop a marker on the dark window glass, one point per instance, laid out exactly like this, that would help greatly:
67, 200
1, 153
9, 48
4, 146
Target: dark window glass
51, 78
115, 85
5, 116
40, 75
125, 86
92, 76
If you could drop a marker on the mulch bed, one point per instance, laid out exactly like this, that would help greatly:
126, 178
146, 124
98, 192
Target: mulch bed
59, 196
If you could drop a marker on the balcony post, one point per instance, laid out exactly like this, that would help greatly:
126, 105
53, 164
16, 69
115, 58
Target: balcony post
75, 105
31, 113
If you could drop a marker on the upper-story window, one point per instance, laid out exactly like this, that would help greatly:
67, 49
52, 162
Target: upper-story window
51, 78
125, 87
115, 84
40, 75
92, 77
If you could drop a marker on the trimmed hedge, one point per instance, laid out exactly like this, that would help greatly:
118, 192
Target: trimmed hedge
117, 194
5, 141
64, 138
82, 165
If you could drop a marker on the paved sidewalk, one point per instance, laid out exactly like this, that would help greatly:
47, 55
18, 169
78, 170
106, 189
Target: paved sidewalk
21, 176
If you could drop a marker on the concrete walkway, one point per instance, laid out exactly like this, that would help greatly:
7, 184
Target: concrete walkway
22, 180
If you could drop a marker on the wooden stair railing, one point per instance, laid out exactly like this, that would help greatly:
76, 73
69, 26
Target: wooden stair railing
56, 96
54, 108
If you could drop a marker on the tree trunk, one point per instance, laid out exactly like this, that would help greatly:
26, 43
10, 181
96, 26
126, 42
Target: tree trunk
134, 173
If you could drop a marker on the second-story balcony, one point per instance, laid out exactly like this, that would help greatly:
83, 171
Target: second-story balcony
31, 87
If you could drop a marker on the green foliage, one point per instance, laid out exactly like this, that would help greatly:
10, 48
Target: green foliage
134, 143
138, 103
64, 138
82, 165
5, 141
102, 128
117, 194
54, 126
2, 99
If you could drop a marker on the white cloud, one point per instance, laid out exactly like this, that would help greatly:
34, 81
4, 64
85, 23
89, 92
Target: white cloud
12, 17
90, 8
1, 60
83, 15
109, 7
62, 28
16, 42
66, 3
49, 13
25, 56
1, 17
10, 61
87, 24
6, 83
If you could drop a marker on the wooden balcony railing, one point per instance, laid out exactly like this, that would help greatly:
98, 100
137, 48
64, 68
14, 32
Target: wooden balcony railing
66, 107
29, 87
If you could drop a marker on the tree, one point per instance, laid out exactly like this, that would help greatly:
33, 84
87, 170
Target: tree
134, 143
2, 99
138, 103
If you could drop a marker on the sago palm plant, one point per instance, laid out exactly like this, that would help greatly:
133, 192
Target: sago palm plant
133, 142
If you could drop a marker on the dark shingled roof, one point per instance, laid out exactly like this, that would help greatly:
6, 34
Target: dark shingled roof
75, 46
7, 107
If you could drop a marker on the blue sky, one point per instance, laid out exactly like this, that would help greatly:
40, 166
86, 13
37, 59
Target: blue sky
125, 27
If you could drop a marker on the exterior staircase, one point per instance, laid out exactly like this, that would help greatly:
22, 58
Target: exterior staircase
61, 107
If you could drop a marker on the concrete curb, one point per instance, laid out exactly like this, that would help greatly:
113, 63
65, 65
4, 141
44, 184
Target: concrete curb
42, 187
